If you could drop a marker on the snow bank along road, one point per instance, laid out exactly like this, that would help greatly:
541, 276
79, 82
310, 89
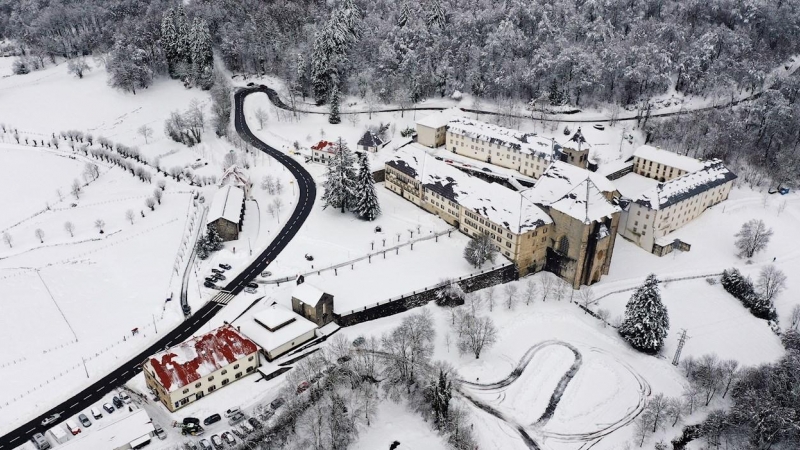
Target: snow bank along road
94, 393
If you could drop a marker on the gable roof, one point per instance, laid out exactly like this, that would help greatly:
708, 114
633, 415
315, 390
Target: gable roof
577, 141
500, 205
370, 139
573, 191
668, 158
226, 204
712, 174
529, 143
307, 294
439, 119
198, 357
324, 146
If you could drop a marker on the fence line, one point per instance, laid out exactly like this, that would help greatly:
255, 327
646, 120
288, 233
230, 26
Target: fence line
362, 258
426, 289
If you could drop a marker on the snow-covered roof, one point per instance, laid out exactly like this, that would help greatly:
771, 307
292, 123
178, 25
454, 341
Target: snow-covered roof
529, 143
370, 139
439, 119
575, 192
200, 356
577, 141
712, 174
500, 205
668, 158
632, 185
114, 435
307, 294
275, 326
323, 146
227, 204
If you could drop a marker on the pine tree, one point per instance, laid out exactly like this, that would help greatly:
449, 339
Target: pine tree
366, 206
334, 118
320, 67
201, 54
646, 320
302, 78
340, 179
405, 13
555, 95
202, 246
213, 239
169, 40
184, 53
440, 393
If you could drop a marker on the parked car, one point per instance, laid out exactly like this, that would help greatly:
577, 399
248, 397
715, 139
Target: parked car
228, 438
117, 402
40, 442
124, 397
205, 444
225, 266
215, 270
277, 403
187, 310
266, 274
51, 419
309, 257
96, 413
302, 387
210, 279
192, 446
219, 276
250, 84
84, 420
192, 429
159, 431
188, 420
359, 341
236, 418
247, 428
266, 415
343, 359
108, 407
250, 290
209, 284
73, 427
599, 127
252, 285
232, 412
438, 158
214, 418
217, 441
254, 422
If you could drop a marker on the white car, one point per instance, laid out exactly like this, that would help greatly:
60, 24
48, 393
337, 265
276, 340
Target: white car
51, 419
232, 411
124, 397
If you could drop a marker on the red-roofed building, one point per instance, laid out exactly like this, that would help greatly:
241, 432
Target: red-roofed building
199, 366
322, 151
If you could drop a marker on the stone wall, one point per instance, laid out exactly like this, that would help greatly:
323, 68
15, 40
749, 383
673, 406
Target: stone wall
419, 298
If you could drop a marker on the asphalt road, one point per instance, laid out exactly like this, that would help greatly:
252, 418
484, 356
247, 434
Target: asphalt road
83, 400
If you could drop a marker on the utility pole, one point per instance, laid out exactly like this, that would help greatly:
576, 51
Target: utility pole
681, 342
84, 366
154, 323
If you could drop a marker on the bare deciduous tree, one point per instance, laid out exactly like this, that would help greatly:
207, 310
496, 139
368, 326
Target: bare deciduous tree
162, 184
794, 320
657, 407
490, 297
511, 295
100, 224
674, 410
150, 202
587, 297
530, 291
39, 235
78, 66
158, 194
76, 189
771, 282
261, 118
730, 372
70, 227
752, 238
603, 314
546, 285
146, 132
476, 334
129, 214
7, 239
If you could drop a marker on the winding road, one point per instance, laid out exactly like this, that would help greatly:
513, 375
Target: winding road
95, 392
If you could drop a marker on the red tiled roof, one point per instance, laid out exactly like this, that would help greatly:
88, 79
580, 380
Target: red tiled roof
326, 146
200, 356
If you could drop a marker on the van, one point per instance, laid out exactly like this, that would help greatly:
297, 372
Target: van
40, 442
72, 427
96, 413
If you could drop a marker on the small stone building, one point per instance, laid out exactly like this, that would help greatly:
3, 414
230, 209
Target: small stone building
313, 304
226, 212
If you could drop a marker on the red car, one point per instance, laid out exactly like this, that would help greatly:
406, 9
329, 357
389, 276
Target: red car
302, 387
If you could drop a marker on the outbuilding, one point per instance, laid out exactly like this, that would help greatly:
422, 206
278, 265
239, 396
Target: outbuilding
277, 330
226, 213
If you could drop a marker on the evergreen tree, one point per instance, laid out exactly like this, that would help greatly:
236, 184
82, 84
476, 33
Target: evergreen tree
201, 54
340, 179
183, 48
302, 77
646, 320
334, 118
169, 40
366, 206
202, 246
128, 67
213, 240
440, 392
320, 67
555, 95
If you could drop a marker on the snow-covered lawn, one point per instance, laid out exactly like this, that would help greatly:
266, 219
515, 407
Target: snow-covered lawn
394, 422
75, 298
